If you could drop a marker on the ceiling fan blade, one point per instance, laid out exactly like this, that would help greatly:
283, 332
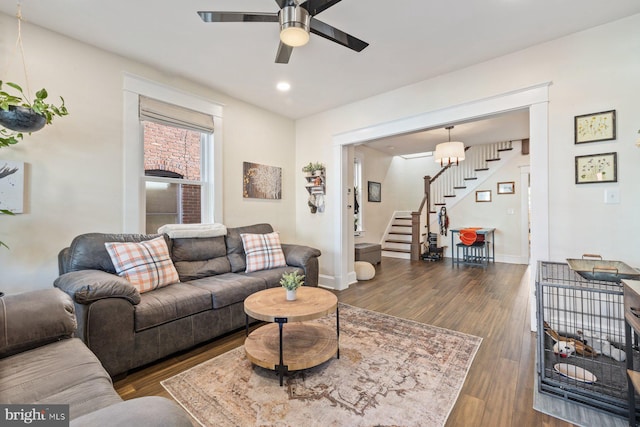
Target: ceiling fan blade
284, 52
283, 3
331, 33
314, 7
238, 17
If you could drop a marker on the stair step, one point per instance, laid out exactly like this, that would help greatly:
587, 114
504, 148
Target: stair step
407, 242
402, 217
404, 251
399, 233
505, 149
449, 195
471, 178
459, 188
492, 160
439, 204
401, 225
481, 169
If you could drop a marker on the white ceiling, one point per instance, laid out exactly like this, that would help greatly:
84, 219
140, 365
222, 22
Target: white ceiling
410, 41
511, 126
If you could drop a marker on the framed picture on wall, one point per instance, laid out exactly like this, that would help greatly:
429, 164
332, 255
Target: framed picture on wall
597, 168
483, 196
595, 127
374, 191
506, 187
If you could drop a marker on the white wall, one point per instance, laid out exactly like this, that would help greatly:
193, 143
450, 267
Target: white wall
402, 188
75, 169
590, 71
503, 213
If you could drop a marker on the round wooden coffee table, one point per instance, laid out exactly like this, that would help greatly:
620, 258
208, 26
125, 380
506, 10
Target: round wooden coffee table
298, 345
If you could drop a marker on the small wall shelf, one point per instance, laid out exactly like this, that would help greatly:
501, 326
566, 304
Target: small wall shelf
316, 186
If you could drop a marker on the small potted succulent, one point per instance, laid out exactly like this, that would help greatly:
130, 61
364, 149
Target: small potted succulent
318, 169
313, 169
308, 169
291, 282
18, 114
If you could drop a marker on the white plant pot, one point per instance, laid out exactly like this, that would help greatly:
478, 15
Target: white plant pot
291, 295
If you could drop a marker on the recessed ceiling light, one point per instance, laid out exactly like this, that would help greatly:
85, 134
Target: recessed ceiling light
283, 86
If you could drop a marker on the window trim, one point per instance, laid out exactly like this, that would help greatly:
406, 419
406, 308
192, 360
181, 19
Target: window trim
358, 166
133, 212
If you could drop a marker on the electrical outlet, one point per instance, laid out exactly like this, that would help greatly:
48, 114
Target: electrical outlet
612, 196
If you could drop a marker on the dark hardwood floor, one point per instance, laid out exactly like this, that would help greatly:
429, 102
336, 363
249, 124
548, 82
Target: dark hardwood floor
491, 303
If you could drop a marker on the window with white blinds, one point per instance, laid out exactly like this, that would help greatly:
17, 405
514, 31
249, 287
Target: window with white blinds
173, 115
172, 157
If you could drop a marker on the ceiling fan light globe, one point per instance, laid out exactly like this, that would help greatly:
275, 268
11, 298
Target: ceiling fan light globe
294, 36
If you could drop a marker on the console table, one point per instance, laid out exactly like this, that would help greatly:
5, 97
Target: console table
298, 345
489, 246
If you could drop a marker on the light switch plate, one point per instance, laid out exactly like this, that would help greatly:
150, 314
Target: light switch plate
612, 196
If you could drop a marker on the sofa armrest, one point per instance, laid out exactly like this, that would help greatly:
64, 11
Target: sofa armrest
298, 255
87, 286
150, 411
33, 319
303, 257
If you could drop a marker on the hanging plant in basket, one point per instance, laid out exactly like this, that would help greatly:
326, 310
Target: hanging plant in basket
18, 114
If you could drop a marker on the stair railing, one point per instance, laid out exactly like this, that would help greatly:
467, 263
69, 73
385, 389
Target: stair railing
448, 179
417, 220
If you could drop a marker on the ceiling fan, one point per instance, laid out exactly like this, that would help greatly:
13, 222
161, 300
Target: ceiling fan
296, 21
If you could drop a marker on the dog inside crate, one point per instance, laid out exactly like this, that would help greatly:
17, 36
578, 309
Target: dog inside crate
583, 340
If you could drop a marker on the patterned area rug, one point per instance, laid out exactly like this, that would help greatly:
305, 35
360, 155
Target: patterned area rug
391, 372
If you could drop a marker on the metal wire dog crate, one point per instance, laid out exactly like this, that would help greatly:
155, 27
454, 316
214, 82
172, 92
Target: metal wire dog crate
588, 314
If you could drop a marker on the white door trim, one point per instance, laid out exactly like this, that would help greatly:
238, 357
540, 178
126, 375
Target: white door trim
535, 98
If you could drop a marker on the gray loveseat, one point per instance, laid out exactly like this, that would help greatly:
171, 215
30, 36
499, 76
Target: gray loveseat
126, 329
40, 363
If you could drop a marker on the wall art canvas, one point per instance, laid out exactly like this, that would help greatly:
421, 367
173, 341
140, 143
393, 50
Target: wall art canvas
597, 168
483, 196
12, 186
595, 127
506, 187
374, 191
261, 182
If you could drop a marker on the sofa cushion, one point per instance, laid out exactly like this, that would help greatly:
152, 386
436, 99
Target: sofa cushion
147, 265
195, 258
235, 249
262, 251
170, 303
62, 372
87, 251
272, 277
229, 288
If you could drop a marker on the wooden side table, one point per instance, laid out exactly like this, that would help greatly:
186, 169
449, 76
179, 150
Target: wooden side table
300, 344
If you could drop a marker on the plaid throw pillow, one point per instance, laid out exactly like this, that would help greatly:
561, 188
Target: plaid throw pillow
263, 251
147, 265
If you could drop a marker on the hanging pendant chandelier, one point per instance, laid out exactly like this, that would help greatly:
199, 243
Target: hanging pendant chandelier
449, 152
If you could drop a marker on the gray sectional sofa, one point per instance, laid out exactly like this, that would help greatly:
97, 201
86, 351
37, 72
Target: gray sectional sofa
41, 364
126, 329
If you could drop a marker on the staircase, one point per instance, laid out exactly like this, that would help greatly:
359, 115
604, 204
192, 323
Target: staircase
453, 182
407, 231
397, 239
